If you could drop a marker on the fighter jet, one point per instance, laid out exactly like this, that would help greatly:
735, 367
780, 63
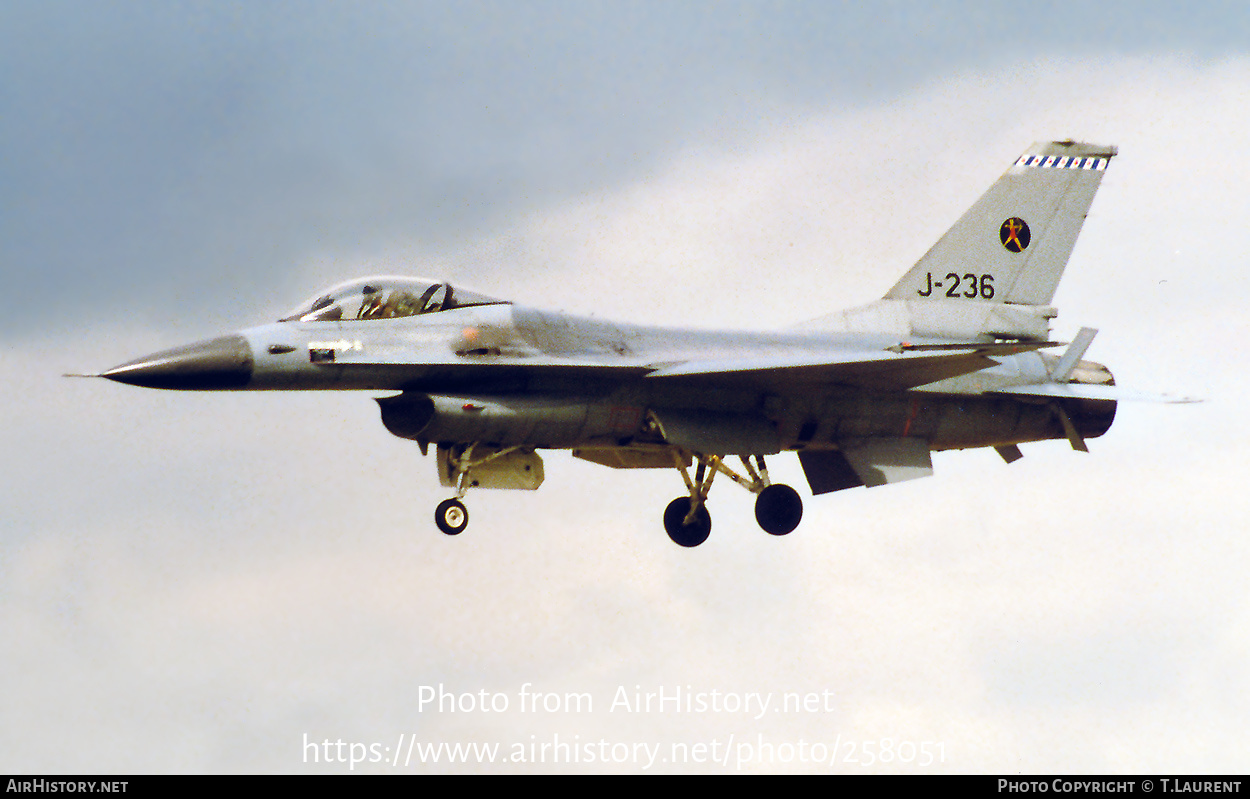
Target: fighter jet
953, 356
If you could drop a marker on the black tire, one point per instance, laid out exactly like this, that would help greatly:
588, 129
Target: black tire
686, 535
451, 516
778, 509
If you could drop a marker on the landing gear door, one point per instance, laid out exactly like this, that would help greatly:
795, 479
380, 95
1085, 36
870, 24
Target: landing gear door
490, 467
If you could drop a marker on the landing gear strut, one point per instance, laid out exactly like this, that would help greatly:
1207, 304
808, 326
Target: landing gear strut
778, 508
451, 515
686, 519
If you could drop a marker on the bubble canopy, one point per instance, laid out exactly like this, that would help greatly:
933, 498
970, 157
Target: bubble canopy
385, 297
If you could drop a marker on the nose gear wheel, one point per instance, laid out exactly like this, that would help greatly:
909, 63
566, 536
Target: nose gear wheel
451, 516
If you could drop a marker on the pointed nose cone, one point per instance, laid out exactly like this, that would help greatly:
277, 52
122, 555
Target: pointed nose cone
219, 363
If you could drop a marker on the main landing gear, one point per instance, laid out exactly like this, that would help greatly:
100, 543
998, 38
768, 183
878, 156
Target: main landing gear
778, 508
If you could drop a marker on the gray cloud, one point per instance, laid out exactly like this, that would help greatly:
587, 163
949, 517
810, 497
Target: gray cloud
161, 149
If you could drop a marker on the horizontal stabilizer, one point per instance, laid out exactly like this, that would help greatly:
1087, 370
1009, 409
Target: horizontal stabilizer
998, 348
1088, 391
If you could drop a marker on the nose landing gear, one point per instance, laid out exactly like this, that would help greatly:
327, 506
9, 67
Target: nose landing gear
451, 516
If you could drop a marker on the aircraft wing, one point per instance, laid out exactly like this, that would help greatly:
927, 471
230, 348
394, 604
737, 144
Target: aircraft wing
896, 369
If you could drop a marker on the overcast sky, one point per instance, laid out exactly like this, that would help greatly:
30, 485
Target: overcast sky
194, 582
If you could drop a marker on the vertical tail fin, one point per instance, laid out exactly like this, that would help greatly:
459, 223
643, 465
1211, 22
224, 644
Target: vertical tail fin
1013, 244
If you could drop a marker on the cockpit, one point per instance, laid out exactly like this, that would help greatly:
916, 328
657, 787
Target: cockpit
385, 297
